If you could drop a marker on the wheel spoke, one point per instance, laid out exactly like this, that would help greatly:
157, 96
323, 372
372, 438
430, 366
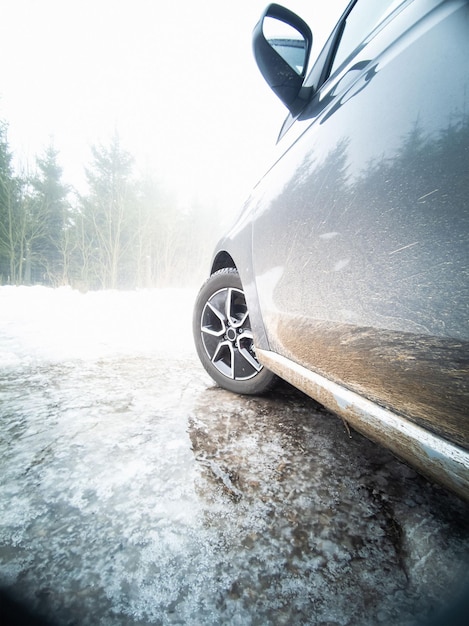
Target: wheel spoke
236, 310
244, 345
224, 357
211, 343
213, 317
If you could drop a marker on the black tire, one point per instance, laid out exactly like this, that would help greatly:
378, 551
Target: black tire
223, 336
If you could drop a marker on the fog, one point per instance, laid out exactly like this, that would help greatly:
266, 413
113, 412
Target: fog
177, 81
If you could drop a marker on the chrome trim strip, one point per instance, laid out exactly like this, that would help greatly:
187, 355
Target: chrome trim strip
433, 456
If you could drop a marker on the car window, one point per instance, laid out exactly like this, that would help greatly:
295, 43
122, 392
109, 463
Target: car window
360, 22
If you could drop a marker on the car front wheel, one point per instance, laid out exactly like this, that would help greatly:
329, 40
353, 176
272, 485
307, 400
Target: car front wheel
223, 336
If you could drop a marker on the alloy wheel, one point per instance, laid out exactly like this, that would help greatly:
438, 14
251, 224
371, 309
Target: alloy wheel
227, 336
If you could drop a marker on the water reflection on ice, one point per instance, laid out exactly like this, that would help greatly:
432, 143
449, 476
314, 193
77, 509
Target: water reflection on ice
135, 492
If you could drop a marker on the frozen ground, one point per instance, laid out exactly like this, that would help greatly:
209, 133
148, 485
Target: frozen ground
134, 492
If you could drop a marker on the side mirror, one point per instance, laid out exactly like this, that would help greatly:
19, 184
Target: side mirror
282, 44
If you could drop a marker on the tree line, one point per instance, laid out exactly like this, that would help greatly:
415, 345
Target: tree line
126, 232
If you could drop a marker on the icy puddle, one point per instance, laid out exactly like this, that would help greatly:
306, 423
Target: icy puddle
133, 492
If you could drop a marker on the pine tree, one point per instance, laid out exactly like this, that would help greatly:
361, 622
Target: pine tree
9, 213
50, 248
107, 216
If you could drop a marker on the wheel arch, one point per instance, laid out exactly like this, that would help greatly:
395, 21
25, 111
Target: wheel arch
221, 261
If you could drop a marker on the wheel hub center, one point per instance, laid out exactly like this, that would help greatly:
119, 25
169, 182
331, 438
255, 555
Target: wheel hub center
231, 334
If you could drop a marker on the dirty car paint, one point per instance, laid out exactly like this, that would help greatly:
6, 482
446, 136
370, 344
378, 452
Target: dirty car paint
353, 248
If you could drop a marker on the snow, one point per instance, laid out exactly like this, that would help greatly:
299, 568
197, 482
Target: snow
39, 323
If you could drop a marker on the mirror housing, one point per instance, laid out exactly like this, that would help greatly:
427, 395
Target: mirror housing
282, 59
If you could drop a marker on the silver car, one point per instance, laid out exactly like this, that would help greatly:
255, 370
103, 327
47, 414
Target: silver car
346, 272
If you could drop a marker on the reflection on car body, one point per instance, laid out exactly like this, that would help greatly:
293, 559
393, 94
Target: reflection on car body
351, 253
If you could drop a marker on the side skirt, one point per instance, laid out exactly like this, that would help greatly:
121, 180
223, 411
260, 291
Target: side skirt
433, 456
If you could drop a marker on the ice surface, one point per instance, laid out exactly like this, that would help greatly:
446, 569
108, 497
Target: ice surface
135, 492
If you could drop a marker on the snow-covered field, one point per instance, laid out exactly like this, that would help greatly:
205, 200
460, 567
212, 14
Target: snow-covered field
37, 323
133, 492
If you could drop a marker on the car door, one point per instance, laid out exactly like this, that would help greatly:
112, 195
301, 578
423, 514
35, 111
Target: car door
360, 235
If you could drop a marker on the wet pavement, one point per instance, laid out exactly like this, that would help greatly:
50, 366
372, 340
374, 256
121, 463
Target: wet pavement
135, 492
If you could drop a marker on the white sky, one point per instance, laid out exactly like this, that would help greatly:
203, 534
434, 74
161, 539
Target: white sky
176, 79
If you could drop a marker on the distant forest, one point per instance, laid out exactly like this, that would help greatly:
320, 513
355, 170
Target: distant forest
125, 232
